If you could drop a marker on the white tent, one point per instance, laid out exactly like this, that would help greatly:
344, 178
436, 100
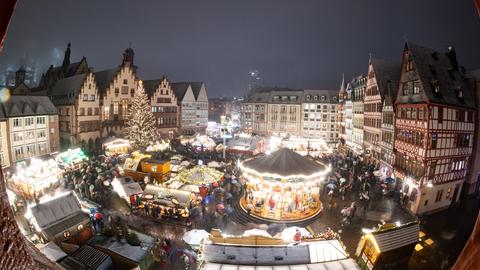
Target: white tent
289, 233
195, 237
256, 232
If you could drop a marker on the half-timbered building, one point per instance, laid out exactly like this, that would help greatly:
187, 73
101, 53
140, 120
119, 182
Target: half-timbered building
381, 76
435, 122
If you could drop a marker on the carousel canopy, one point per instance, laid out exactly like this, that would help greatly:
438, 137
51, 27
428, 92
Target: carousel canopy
199, 175
284, 163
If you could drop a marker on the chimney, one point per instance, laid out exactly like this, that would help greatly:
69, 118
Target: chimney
452, 55
20, 76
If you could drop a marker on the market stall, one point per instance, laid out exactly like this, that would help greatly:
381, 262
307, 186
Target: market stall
165, 202
72, 158
203, 142
139, 166
114, 146
246, 144
127, 189
282, 186
33, 178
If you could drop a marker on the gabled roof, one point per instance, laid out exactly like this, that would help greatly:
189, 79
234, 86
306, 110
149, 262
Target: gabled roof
151, 86
387, 75
435, 66
51, 212
398, 237
103, 79
66, 90
27, 106
180, 88
196, 88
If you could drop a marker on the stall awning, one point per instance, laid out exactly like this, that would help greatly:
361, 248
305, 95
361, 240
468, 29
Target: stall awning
66, 224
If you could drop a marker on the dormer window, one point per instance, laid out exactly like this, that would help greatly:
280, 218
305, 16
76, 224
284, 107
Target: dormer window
436, 87
323, 98
284, 98
308, 97
315, 98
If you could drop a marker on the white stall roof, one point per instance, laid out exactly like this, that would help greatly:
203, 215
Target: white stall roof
49, 212
345, 264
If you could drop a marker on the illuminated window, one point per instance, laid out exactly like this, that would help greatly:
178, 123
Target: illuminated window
106, 113
115, 108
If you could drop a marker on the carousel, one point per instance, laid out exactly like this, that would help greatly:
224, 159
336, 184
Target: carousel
282, 186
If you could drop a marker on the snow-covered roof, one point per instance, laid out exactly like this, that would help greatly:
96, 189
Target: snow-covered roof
52, 211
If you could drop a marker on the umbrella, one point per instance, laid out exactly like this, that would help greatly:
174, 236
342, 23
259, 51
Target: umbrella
256, 232
331, 186
228, 209
290, 232
194, 237
263, 227
343, 180
98, 215
228, 195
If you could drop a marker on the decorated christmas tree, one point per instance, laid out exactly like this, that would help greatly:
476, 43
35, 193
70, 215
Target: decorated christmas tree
140, 128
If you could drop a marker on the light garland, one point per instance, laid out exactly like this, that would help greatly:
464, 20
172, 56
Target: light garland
287, 177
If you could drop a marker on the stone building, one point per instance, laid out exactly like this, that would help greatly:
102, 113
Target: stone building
192, 101
349, 117
387, 138
359, 84
320, 115
116, 88
164, 105
342, 94
382, 76
29, 128
435, 123
78, 103
284, 112
253, 113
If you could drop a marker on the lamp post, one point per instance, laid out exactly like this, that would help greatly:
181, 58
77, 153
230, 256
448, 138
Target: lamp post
223, 120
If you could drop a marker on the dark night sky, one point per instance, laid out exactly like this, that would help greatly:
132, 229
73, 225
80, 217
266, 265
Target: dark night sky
300, 44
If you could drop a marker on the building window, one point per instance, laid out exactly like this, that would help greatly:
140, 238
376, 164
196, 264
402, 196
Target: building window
308, 97
18, 136
85, 97
115, 107
125, 108
125, 81
42, 147
28, 121
17, 122
92, 98
433, 144
89, 111
41, 134
106, 113
416, 87
18, 152
449, 193
30, 149
81, 111
30, 135
41, 120
439, 195
440, 115
97, 111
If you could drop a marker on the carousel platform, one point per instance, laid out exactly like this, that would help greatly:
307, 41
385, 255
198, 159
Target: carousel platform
241, 216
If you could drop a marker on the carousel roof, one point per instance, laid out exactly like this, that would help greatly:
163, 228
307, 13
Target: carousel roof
284, 163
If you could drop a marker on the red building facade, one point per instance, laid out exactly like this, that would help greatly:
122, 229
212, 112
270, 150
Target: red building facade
435, 121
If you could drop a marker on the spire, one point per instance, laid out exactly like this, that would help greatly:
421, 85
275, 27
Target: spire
66, 58
342, 85
128, 57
